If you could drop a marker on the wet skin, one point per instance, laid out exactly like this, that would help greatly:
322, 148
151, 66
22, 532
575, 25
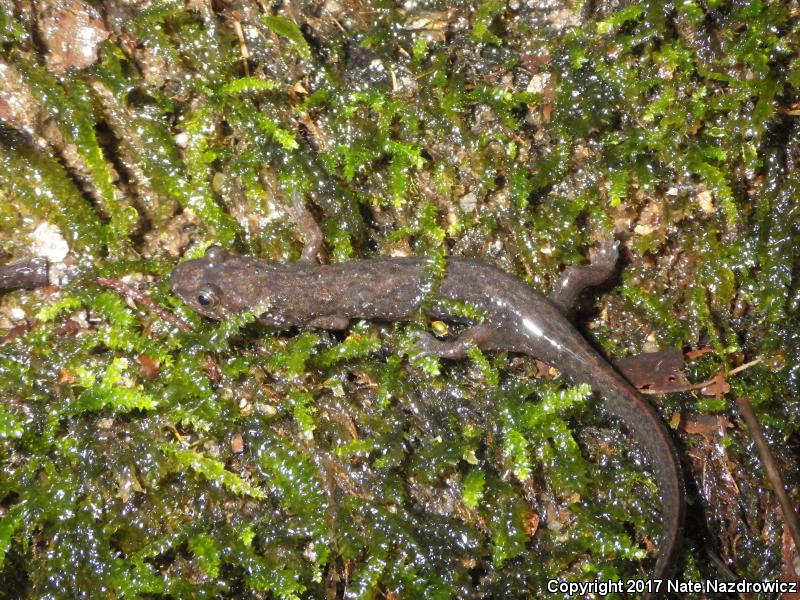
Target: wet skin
25, 274
518, 319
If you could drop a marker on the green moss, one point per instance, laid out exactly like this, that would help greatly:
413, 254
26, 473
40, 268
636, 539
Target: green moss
10, 29
483, 19
72, 108
106, 390
474, 484
212, 470
285, 28
40, 188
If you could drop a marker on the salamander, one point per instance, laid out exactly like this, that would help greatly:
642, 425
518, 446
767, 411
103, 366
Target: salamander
306, 294
25, 274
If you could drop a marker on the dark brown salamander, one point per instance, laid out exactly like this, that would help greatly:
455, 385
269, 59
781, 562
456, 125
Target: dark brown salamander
306, 294
25, 274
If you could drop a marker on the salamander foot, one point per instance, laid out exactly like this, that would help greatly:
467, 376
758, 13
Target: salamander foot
456, 348
575, 279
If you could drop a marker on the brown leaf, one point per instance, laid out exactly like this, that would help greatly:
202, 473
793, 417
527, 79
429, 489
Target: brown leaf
17, 331
127, 484
149, 366
18, 109
531, 523
544, 370
70, 327
533, 63
651, 219
66, 376
692, 354
791, 563
211, 366
719, 386
710, 427
660, 371
237, 443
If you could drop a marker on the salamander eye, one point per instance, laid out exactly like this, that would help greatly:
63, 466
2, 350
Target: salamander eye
207, 297
216, 254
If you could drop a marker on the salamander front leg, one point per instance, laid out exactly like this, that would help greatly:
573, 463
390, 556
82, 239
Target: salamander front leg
481, 336
305, 221
574, 280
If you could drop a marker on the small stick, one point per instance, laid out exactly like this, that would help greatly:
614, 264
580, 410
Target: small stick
147, 301
425, 73
243, 50
773, 474
723, 568
702, 384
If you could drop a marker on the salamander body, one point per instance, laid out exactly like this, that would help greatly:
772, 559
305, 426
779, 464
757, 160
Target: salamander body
517, 319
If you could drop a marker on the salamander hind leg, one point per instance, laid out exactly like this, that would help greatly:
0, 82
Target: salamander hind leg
483, 336
574, 280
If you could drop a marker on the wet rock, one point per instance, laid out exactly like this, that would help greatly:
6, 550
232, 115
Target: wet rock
48, 242
433, 25
365, 69
602, 9
468, 202
72, 32
18, 109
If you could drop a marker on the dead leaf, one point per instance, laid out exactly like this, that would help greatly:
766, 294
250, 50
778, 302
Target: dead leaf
710, 427
237, 443
718, 387
211, 366
18, 330
660, 371
651, 219
531, 523
533, 64
18, 109
545, 370
693, 354
66, 376
127, 485
149, 366
791, 563
706, 201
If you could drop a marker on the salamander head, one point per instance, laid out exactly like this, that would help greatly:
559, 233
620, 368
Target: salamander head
217, 285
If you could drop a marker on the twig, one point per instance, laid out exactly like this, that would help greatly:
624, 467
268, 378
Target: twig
243, 50
702, 384
773, 474
726, 572
425, 74
176, 433
744, 366
721, 566
142, 298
